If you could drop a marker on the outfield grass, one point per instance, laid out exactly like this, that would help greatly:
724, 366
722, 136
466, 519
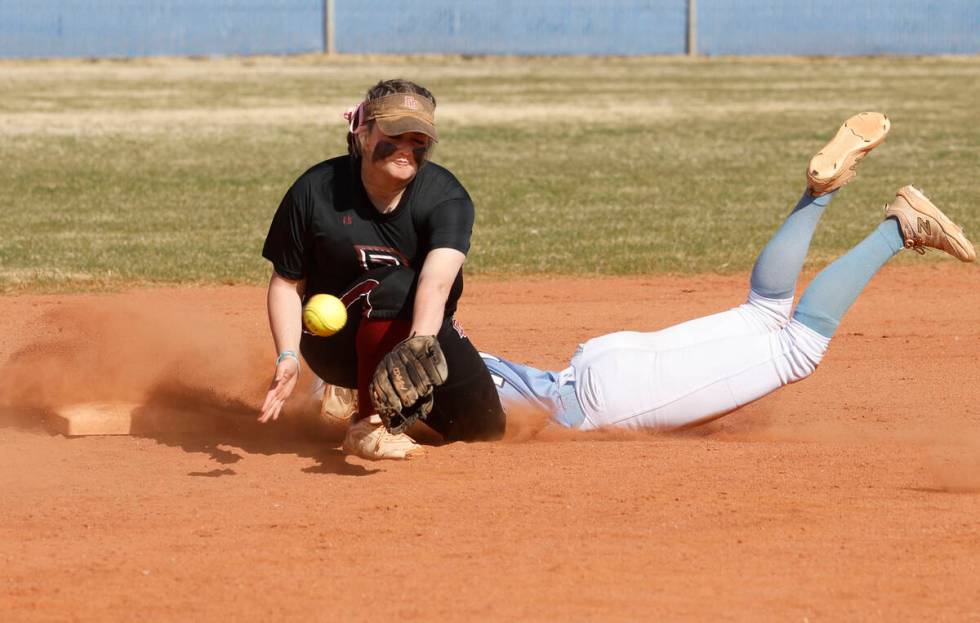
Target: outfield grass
169, 170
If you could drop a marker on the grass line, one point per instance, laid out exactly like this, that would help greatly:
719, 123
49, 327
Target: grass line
168, 171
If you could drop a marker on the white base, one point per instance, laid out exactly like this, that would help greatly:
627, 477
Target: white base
125, 418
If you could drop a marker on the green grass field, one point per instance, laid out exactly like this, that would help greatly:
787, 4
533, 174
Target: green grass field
168, 170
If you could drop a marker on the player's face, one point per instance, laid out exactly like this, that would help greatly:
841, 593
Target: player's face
399, 156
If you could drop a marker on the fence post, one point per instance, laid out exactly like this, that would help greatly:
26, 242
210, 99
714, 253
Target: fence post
329, 46
692, 27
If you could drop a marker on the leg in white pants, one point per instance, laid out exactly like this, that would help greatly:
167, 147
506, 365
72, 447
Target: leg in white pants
640, 386
698, 370
676, 377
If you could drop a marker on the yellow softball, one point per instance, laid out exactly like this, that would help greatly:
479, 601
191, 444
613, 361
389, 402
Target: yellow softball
324, 315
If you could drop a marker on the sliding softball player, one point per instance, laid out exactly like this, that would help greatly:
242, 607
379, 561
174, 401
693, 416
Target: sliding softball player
699, 370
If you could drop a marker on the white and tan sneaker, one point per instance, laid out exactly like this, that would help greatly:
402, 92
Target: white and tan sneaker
924, 225
369, 439
835, 164
338, 403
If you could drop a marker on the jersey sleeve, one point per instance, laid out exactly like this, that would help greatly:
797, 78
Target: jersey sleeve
288, 241
451, 224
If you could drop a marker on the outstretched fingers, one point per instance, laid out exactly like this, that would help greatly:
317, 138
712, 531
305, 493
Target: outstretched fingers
279, 390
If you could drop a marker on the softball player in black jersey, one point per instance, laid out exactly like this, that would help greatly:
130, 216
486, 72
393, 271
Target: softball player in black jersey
338, 227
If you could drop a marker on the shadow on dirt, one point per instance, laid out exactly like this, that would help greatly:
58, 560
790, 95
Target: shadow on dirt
154, 367
200, 421
227, 424
214, 473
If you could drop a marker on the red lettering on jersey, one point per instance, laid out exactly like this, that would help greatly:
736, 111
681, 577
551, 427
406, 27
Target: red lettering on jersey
372, 257
347, 220
362, 289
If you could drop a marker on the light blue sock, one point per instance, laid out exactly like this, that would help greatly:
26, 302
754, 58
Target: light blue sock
834, 289
778, 265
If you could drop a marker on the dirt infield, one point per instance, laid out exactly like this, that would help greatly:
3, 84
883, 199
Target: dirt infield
854, 494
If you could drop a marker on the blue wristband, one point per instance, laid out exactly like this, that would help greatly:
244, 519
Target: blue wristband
287, 354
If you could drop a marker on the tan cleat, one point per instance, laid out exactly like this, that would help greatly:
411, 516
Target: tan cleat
369, 439
834, 165
924, 225
338, 403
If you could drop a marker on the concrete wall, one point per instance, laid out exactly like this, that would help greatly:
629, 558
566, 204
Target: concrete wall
512, 26
50, 28
839, 27
47, 28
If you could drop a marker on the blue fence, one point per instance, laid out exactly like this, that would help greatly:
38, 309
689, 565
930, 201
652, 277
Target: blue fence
157, 27
512, 26
52, 28
839, 27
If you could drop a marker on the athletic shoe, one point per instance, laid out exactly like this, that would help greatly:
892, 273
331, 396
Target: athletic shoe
834, 165
924, 225
338, 403
369, 439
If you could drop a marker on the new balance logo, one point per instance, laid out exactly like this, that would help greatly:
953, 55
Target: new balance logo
924, 226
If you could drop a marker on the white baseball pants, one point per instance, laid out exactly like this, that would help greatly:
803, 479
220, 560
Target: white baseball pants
695, 371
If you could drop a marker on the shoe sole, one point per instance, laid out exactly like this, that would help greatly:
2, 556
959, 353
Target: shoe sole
833, 166
405, 451
953, 232
415, 452
335, 408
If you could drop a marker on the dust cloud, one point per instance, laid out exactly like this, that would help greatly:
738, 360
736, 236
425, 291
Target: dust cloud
151, 350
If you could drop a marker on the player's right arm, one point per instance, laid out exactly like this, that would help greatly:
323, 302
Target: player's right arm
285, 305
286, 246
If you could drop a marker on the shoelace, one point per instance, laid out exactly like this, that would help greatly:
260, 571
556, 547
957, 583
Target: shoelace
916, 245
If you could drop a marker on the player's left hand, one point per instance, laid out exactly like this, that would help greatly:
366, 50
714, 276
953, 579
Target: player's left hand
401, 389
287, 371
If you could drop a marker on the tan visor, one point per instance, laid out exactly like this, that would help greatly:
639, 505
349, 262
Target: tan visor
403, 112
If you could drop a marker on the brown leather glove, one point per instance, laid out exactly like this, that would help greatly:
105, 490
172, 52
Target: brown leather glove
401, 389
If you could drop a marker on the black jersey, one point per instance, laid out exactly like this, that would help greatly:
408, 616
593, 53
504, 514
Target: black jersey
327, 232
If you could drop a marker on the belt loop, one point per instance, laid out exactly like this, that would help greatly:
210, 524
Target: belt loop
570, 413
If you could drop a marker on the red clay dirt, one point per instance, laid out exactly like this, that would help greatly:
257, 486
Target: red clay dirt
852, 495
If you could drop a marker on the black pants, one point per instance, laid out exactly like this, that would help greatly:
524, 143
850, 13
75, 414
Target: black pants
465, 408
